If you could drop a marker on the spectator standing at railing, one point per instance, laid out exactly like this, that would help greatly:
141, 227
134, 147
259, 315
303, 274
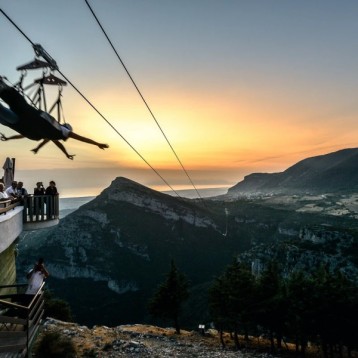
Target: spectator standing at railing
39, 199
36, 277
12, 190
52, 192
39, 190
51, 189
21, 191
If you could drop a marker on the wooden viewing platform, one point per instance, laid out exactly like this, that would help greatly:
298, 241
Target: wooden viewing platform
20, 318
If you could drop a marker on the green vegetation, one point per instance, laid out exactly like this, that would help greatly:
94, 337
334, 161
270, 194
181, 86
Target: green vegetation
231, 299
54, 345
57, 308
320, 307
170, 295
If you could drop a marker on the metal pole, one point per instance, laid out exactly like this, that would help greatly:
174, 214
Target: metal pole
13, 167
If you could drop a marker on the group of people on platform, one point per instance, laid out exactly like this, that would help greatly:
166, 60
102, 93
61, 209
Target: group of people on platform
16, 191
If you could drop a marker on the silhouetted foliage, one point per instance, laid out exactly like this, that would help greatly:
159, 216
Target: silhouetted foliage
57, 308
321, 307
303, 301
271, 308
167, 300
336, 314
231, 299
218, 307
54, 345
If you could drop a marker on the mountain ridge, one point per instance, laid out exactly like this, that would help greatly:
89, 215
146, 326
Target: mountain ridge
332, 172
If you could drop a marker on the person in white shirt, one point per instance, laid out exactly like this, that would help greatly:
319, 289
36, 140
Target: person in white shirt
3, 194
36, 277
11, 191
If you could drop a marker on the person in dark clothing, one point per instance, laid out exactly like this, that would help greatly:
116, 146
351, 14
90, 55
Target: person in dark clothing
35, 124
51, 189
21, 191
39, 190
39, 199
50, 200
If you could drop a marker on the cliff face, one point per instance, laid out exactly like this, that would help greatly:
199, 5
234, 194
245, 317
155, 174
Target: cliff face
310, 249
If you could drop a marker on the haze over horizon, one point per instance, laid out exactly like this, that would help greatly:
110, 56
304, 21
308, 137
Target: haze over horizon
238, 87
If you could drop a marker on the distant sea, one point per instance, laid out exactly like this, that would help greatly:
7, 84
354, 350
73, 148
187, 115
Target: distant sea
68, 205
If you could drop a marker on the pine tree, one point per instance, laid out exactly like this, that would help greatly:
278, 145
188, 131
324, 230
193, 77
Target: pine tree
218, 307
271, 309
302, 306
167, 300
336, 313
231, 298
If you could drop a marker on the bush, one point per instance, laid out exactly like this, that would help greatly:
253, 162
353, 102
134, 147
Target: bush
57, 308
54, 345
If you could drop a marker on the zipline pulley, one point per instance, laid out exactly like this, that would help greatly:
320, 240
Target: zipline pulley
40, 52
49, 65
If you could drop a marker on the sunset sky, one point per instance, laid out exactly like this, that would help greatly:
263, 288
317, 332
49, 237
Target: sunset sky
237, 87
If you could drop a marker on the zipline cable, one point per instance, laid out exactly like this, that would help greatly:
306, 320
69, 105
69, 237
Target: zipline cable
102, 116
142, 97
115, 129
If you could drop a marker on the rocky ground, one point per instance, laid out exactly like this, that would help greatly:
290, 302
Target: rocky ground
146, 341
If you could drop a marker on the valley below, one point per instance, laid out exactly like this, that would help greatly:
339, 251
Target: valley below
108, 257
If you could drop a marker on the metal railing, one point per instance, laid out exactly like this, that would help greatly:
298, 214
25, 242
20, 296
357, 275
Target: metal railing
20, 317
40, 208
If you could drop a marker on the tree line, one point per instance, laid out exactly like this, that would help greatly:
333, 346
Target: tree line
318, 307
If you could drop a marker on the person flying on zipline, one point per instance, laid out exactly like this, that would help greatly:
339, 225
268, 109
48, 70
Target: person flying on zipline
35, 124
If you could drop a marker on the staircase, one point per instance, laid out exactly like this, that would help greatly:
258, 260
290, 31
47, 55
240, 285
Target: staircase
20, 318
